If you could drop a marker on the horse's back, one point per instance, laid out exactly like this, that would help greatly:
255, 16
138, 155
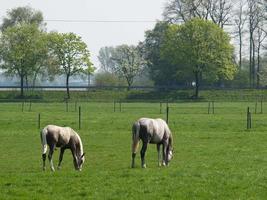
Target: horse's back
57, 134
156, 129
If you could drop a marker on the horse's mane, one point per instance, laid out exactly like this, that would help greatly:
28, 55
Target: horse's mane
80, 144
170, 140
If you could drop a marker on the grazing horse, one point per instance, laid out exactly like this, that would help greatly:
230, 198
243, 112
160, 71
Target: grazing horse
154, 131
65, 138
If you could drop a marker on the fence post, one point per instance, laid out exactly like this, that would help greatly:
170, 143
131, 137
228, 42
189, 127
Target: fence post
167, 115
39, 120
209, 108
79, 117
248, 119
256, 105
114, 106
212, 107
160, 107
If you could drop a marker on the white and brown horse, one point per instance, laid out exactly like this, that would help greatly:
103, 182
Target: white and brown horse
65, 138
155, 131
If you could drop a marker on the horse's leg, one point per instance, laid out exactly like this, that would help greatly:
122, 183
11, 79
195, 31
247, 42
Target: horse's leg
50, 154
44, 158
164, 154
134, 150
158, 150
62, 149
143, 151
75, 159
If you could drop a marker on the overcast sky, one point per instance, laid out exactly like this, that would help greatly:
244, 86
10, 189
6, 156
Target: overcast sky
96, 34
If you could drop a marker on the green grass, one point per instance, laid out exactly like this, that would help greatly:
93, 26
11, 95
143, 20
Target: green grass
215, 156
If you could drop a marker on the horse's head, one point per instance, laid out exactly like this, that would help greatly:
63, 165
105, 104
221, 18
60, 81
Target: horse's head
80, 161
170, 153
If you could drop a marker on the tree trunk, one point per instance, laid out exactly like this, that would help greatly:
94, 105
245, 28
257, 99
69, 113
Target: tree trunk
67, 86
253, 63
250, 60
21, 86
258, 67
240, 50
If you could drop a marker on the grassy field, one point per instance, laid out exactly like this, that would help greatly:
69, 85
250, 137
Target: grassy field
215, 156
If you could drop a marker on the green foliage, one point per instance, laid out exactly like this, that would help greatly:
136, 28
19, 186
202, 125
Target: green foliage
161, 70
71, 55
23, 50
128, 62
22, 15
108, 79
201, 49
105, 59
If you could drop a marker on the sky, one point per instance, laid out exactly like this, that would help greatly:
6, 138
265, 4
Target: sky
96, 34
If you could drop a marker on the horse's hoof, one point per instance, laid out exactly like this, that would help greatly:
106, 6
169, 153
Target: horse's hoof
52, 169
59, 168
163, 164
144, 166
159, 164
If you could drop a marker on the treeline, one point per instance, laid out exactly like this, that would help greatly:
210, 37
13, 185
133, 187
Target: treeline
28, 51
200, 42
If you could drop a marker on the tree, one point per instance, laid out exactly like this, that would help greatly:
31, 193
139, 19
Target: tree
105, 59
183, 10
161, 70
72, 55
128, 62
22, 15
201, 48
240, 19
23, 50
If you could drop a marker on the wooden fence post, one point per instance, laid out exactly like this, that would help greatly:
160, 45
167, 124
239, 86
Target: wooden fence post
167, 115
39, 120
248, 119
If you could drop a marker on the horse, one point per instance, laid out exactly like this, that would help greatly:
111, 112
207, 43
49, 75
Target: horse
65, 138
155, 131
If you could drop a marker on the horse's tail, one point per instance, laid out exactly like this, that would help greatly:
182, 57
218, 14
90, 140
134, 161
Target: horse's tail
135, 136
43, 140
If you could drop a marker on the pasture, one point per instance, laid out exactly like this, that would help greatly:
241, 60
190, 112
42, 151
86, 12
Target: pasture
215, 156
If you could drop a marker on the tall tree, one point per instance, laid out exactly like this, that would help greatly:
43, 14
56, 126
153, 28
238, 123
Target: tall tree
128, 62
202, 48
23, 50
183, 10
161, 70
23, 15
239, 19
105, 59
72, 55
255, 11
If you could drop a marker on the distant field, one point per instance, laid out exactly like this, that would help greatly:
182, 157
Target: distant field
215, 156
149, 95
